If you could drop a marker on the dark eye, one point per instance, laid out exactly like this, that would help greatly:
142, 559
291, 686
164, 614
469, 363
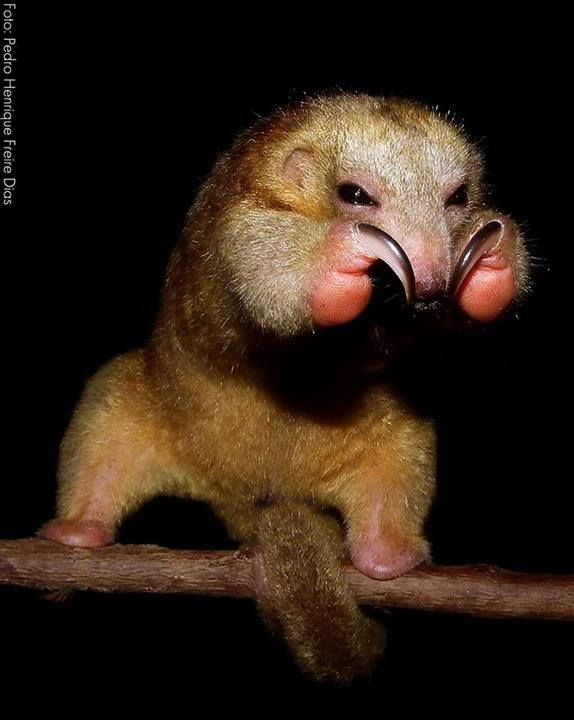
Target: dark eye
459, 196
354, 195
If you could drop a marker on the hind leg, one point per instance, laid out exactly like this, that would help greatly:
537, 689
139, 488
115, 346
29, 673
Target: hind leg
386, 514
113, 458
385, 504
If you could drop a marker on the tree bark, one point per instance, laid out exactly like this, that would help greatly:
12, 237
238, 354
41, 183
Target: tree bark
481, 590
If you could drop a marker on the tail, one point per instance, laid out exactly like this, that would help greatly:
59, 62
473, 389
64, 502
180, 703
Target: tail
305, 596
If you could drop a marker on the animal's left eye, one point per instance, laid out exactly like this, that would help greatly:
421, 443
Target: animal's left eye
459, 196
354, 195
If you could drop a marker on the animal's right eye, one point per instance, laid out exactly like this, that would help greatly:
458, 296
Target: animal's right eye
354, 195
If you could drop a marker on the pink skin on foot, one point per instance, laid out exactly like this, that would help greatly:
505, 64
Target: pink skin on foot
77, 533
381, 552
386, 557
489, 288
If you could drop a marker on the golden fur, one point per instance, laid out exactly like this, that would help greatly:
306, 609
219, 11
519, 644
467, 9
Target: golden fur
236, 402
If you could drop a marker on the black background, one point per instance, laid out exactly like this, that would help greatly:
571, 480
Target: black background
121, 112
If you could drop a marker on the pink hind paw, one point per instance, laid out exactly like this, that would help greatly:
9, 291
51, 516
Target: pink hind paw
77, 533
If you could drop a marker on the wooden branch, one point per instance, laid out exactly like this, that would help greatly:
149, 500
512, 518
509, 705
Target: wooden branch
481, 591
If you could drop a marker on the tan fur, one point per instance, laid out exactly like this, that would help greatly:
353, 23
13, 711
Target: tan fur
345, 643
209, 409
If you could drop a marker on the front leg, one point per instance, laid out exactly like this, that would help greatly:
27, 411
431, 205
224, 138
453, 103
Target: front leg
385, 504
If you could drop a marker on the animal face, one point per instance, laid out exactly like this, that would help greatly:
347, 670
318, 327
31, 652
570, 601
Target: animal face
344, 183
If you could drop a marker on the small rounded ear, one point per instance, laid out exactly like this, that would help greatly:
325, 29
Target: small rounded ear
298, 166
483, 281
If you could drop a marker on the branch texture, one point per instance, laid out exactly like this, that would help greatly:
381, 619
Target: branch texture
479, 590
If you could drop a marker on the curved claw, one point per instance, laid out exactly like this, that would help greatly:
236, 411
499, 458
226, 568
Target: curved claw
387, 249
486, 237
